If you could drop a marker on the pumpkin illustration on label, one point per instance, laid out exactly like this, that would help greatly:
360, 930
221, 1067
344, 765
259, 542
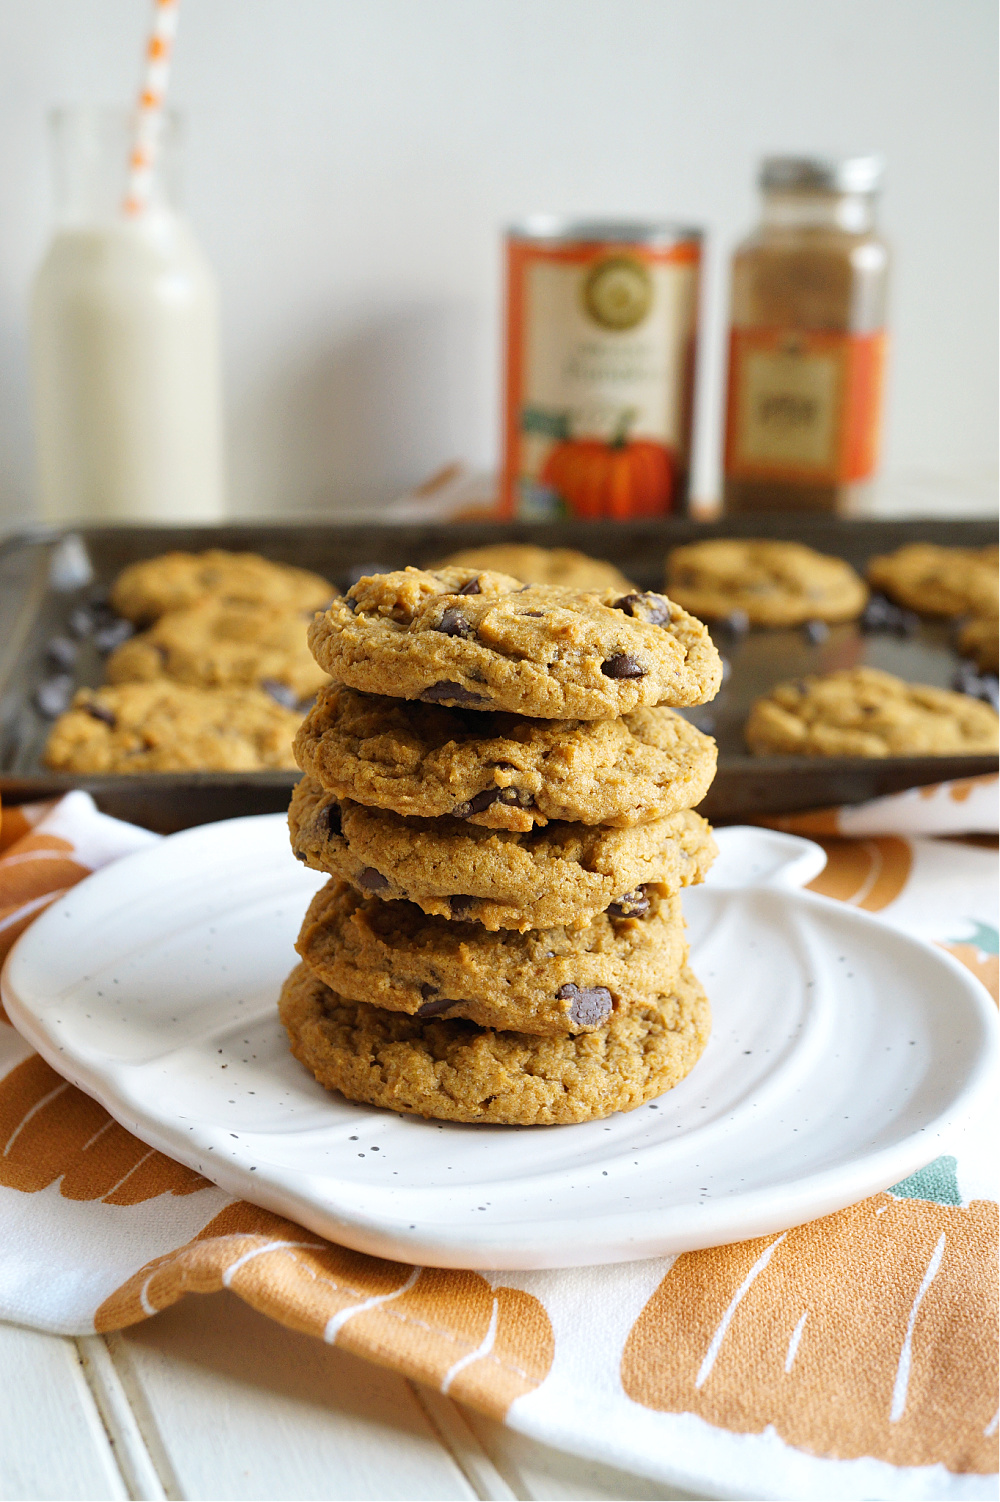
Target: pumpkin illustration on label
618, 479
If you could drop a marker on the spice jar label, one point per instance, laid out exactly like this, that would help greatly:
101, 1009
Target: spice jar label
804, 404
600, 361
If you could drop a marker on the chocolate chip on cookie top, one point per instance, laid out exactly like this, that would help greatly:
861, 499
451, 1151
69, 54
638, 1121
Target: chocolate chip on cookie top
502, 770
564, 873
487, 641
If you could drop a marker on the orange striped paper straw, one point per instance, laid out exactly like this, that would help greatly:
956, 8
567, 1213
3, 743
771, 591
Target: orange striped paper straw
149, 112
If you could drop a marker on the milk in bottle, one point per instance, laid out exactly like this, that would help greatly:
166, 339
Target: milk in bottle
124, 344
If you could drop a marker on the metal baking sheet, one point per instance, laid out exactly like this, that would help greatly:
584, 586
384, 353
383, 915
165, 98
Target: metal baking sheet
46, 575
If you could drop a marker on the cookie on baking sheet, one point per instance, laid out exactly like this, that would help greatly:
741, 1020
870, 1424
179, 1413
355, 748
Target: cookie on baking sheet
564, 873
563, 567
551, 980
864, 712
978, 639
217, 645
171, 727
175, 581
487, 641
455, 1071
939, 581
773, 583
502, 770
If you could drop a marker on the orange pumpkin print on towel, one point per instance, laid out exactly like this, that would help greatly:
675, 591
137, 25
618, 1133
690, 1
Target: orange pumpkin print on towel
34, 871
51, 1131
864, 873
872, 1332
980, 953
484, 1346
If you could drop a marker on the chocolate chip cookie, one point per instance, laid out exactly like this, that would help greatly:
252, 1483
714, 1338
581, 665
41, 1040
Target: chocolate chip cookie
175, 581
864, 712
217, 645
500, 770
455, 1071
978, 639
563, 567
171, 727
939, 581
564, 873
487, 641
773, 583
547, 981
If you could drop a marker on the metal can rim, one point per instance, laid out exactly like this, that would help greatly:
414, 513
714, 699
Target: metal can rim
554, 229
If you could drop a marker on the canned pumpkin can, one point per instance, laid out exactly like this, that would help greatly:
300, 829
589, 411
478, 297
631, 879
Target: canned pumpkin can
600, 358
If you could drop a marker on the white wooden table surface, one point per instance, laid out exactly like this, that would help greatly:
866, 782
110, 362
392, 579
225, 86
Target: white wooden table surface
212, 1400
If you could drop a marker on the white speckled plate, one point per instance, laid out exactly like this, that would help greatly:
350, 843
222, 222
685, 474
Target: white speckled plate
840, 1050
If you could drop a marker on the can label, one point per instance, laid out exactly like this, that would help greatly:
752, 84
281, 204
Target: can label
804, 405
600, 370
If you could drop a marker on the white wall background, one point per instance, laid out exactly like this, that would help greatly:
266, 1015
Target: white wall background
350, 164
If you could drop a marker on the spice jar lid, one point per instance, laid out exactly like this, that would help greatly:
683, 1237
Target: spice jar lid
814, 174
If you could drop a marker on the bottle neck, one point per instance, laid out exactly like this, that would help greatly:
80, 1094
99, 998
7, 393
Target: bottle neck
91, 146
851, 213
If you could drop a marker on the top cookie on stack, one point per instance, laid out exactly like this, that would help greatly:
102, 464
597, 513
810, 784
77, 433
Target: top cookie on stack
487, 641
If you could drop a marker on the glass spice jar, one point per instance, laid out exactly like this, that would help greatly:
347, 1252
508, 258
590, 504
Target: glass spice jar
807, 341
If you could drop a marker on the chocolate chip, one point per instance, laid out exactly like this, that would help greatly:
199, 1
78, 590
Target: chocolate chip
534, 615
280, 692
882, 614
98, 712
816, 631
454, 623
334, 822
622, 665
300, 855
737, 623
629, 905
484, 800
977, 685
81, 622
359, 571
440, 693
52, 696
652, 608
472, 588
112, 635
436, 1007
589, 1005
460, 905
371, 880
62, 651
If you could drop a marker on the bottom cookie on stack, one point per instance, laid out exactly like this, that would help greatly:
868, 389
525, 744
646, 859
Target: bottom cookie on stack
456, 1071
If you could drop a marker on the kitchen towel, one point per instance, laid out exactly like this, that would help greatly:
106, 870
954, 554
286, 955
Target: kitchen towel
851, 1357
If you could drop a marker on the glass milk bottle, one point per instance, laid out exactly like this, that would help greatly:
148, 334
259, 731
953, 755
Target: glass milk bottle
124, 342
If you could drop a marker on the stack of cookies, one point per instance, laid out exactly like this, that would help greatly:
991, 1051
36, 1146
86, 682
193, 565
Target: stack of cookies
503, 798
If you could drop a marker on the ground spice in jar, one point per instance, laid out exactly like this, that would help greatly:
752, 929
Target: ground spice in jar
807, 342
